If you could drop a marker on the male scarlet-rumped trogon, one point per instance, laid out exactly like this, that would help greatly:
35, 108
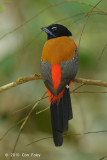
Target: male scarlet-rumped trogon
59, 65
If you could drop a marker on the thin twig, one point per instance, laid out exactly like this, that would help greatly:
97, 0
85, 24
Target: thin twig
81, 13
39, 140
11, 129
69, 134
75, 89
83, 16
23, 124
99, 58
102, 51
21, 109
90, 92
88, 15
42, 110
69, 17
41, 12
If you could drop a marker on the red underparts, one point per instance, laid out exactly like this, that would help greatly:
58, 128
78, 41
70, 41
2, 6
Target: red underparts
56, 78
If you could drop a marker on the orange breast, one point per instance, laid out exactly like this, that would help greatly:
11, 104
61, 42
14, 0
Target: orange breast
58, 49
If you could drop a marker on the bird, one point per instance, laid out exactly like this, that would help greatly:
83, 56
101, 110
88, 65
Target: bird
58, 67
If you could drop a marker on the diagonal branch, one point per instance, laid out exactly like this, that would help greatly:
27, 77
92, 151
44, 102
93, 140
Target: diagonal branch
105, 156
25, 121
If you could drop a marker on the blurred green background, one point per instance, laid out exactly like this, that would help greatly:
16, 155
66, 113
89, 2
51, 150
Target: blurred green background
20, 53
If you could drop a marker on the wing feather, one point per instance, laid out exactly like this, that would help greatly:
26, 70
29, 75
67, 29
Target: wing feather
46, 76
68, 71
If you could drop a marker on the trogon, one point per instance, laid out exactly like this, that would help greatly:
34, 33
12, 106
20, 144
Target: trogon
59, 65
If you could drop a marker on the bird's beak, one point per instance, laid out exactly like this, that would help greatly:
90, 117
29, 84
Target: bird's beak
45, 29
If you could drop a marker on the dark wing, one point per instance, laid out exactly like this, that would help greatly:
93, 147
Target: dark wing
46, 76
68, 71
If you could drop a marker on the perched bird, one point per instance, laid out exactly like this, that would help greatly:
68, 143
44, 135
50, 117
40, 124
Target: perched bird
59, 65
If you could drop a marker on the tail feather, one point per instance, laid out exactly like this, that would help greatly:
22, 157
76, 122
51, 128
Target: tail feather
60, 114
68, 103
55, 121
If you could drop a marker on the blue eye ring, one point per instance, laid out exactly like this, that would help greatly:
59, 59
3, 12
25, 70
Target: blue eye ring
54, 28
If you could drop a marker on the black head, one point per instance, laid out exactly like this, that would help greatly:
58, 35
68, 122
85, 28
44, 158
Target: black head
56, 30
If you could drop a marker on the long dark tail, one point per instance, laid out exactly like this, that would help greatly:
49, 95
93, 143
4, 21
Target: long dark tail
60, 114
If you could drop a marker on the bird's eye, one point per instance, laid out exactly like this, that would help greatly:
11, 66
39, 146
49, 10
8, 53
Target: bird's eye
54, 28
